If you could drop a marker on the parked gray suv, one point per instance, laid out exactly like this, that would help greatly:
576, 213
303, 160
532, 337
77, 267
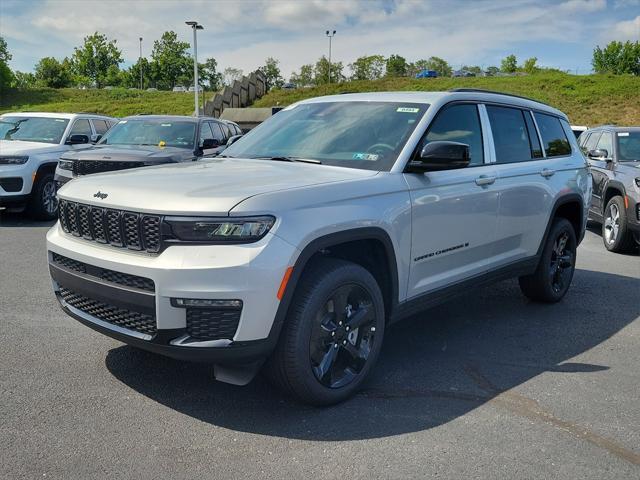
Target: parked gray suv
297, 247
614, 158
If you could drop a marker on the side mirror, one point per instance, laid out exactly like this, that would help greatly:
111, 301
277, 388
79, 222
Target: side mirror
233, 140
208, 143
441, 155
77, 139
598, 154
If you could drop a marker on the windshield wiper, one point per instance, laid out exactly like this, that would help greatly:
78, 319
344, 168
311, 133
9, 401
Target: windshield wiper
290, 159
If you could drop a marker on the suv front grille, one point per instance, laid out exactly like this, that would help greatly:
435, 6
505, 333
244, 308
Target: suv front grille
124, 279
212, 324
87, 167
140, 322
119, 228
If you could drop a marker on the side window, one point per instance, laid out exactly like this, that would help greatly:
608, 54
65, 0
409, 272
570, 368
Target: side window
217, 133
225, 130
553, 136
606, 143
100, 126
459, 123
591, 143
81, 127
205, 132
536, 149
582, 141
510, 134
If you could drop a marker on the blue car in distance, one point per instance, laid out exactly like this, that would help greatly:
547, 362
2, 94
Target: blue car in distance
427, 74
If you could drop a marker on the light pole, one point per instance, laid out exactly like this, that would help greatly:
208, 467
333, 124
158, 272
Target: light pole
140, 64
195, 26
330, 34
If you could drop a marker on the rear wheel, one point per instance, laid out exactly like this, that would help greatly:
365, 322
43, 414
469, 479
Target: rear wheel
552, 278
43, 204
615, 235
332, 335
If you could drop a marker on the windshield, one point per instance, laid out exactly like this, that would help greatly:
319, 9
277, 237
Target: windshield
33, 129
628, 146
161, 133
366, 135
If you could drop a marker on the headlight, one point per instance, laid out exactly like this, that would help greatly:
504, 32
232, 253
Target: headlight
13, 160
213, 230
65, 164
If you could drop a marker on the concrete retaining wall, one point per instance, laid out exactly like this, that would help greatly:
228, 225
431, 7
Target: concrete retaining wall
241, 94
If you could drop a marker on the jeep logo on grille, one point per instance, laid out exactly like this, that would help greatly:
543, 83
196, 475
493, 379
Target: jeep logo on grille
100, 195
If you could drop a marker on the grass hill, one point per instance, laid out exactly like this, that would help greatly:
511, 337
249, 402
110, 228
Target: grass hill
587, 99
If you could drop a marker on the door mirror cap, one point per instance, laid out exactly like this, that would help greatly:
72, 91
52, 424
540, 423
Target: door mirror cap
208, 143
233, 140
77, 139
441, 155
599, 154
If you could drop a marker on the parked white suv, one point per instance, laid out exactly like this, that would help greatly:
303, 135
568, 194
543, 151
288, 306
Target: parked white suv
30, 145
333, 219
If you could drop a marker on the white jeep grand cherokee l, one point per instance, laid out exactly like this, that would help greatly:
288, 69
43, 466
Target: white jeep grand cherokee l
335, 218
30, 145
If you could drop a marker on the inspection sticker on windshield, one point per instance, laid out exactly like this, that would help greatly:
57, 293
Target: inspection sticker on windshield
623, 134
407, 110
366, 156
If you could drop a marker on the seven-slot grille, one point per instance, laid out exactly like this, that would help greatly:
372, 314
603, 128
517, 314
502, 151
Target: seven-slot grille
87, 167
119, 228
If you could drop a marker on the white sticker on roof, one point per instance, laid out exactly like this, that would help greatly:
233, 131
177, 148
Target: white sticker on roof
623, 134
122, 121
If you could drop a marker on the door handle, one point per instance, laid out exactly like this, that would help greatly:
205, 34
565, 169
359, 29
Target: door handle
546, 173
485, 180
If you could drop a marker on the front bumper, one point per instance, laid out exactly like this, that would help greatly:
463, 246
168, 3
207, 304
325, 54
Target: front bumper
16, 181
251, 273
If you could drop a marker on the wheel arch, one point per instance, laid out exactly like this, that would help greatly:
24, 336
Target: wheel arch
569, 206
612, 189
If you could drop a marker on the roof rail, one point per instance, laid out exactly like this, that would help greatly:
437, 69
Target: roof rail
480, 90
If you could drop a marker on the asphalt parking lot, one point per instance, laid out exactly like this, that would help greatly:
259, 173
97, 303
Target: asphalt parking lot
486, 386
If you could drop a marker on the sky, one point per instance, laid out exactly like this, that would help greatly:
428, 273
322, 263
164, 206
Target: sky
243, 33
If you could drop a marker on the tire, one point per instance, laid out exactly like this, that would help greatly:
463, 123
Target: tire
312, 364
42, 205
552, 278
615, 234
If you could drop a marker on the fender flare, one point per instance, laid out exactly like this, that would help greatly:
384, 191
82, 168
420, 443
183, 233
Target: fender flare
560, 201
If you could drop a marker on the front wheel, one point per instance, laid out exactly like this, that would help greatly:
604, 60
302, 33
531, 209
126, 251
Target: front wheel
332, 335
552, 278
43, 204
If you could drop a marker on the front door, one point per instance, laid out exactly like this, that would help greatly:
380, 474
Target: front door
600, 172
454, 212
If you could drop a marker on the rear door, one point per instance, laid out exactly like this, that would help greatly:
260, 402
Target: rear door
454, 212
529, 168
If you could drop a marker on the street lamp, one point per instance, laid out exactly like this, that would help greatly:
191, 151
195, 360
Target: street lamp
330, 34
140, 64
195, 26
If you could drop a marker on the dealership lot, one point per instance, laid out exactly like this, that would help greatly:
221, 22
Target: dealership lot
486, 386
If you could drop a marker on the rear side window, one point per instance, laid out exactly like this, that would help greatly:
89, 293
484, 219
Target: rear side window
101, 126
217, 132
459, 123
81, 127
205, 132
536, 149
553, 136
510, 134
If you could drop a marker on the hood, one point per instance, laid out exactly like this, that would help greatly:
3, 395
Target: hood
148, 154
211, 187
18, 147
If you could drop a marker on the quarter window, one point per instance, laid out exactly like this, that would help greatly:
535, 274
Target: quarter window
606, 143
217, 132
553, 136
510, 134
100, 126
459, 123
81, 127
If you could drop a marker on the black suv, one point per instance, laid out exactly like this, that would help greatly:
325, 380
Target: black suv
614, 157
145, 140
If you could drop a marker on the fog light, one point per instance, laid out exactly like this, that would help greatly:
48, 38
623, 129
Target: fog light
205, 303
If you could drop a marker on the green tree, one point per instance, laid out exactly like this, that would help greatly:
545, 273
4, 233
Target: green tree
130, 78
476, 70
171, 59
530, 66
49, 72
272, 72
321, 71
24, 80
210, 74
231, 74
492, 70
439, 65
369, 67
617, 58
95, 57
509, 64
6, 75
396, 66
304, 77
